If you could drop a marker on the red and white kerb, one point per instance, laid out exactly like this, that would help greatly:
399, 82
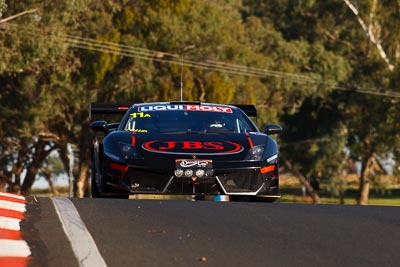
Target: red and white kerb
14, 251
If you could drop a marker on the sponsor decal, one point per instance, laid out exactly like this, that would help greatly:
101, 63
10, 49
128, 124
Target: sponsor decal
140, 115
185, 107
192, 147
194, 168
186, 163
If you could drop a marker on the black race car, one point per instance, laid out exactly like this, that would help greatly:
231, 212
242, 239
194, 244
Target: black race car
184, 148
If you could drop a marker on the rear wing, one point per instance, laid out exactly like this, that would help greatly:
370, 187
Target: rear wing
250, 110
106, 108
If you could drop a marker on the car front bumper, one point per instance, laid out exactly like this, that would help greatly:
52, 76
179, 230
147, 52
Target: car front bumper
228, 179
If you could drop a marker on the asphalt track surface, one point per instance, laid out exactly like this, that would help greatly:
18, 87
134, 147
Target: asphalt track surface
208, 233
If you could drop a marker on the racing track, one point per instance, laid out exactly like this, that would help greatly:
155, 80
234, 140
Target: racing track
206, 233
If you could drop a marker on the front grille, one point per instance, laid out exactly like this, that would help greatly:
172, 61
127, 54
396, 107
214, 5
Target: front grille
141, 181
158, 182
245, 181
188, 186
144, 181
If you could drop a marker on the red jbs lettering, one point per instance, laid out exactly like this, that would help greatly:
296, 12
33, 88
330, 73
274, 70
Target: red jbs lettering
168, 145
192, 146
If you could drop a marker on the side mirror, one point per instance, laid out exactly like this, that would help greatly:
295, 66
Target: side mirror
273, 129
99, 126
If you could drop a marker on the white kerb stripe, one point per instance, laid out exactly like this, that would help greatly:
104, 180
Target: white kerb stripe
12, 195
9, 223
82, 242
9, 205
14, 248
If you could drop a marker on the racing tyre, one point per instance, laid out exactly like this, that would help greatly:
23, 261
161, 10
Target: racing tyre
94, 187
94, 190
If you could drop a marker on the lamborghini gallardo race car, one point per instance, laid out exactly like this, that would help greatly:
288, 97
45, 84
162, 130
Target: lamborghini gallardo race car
184, 148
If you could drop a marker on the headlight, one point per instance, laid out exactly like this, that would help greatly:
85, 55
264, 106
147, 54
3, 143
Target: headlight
255, 153
128, 151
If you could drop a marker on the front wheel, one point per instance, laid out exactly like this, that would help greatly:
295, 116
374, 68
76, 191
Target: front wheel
94, 189
94, 186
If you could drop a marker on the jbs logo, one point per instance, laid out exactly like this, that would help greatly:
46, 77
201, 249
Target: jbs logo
192, 147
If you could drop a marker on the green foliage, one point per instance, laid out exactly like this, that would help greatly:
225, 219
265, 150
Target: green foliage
105, 62
56, 165
3, 7
336, 53
315, 139
218, 89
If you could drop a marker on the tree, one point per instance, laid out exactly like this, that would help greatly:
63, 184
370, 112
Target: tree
367, 68
33, 71
370, 132
307, 71
315, 139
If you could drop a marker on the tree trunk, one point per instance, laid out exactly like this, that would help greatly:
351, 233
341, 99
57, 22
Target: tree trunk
32, 170
83, 181
4, 182
17, 169
30, 177
84, 162
341, 197
18, 15
53, 189
372, 31
363, 191
66, 156
303, 181
202, 90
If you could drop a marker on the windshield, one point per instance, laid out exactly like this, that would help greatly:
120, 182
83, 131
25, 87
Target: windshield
202, 121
